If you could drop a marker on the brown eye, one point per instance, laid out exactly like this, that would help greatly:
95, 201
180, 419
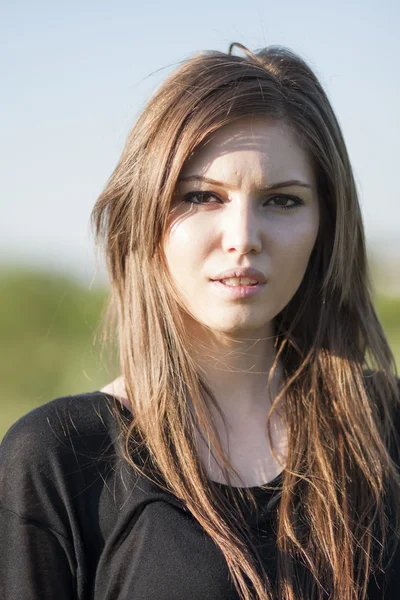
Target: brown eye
199, 197
282, 201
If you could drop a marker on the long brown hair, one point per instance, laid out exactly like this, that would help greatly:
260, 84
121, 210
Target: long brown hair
339, 373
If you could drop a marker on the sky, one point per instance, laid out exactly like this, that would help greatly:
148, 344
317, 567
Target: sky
75, 76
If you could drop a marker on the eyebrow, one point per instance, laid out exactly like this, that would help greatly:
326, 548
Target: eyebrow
272, 186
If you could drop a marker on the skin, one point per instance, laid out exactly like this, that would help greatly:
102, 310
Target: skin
240, 224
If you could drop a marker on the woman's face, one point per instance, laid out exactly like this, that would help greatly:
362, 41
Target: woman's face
245, 198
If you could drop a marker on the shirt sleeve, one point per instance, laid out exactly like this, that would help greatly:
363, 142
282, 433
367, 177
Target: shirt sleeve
36, 562
37, 557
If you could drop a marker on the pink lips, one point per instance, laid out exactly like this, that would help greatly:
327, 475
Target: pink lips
238, 291
241, 272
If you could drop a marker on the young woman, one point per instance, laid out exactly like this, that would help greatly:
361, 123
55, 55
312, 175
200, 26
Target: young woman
249, 448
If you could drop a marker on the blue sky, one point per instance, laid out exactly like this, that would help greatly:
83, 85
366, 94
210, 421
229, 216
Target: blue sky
75, 76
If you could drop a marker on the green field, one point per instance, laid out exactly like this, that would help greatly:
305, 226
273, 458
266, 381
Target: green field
50, 347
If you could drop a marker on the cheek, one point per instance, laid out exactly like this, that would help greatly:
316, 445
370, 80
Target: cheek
292, 251
184, 252
178, 235
189, 239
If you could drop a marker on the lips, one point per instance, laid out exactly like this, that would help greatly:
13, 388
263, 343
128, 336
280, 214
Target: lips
238, 292
239, 281
239, 273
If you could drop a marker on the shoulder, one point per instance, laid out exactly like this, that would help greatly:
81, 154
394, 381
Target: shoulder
55, 451
61, 421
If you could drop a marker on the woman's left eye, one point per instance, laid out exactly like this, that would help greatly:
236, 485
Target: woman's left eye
281, 200
297, 201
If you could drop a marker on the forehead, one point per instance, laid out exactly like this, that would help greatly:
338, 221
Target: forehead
253, 149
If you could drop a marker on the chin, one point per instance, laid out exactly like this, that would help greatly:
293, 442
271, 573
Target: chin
242, 327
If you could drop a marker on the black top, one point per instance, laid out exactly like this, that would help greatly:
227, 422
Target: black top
77, 523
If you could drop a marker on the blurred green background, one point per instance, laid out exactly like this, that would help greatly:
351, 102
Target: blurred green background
50, 331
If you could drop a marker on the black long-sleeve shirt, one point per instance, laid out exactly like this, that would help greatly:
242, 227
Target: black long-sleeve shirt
77, 523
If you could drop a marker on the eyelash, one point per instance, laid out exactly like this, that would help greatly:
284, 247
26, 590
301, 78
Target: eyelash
188, 198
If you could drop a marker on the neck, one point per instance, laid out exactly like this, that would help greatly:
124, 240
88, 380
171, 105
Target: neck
237, 370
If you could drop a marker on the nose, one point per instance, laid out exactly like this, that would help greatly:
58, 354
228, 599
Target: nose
241, 229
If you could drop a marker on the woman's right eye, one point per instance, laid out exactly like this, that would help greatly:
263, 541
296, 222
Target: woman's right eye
199, 197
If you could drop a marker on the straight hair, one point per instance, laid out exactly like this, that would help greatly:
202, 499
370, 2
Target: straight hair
338, 371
